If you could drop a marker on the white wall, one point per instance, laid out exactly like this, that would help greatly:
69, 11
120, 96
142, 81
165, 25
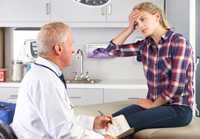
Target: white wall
198, 54
115, 68
198, 27
178, 15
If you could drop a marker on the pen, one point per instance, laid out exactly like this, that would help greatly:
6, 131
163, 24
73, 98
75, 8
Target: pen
101, 113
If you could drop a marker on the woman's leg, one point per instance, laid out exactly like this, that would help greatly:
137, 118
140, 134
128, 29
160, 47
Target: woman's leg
131, 109
163, 116
128, 110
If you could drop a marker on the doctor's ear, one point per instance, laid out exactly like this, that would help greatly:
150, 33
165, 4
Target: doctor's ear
58, 49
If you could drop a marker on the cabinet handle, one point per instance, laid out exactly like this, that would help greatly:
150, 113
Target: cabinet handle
48, 8
103, 11
198, 59
196, 63
75, 97
12, 97
109, 9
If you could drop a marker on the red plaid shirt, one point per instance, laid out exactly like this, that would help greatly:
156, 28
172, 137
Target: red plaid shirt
168, 66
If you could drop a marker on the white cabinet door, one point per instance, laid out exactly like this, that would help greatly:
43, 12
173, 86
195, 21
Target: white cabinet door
34, 13
118, 10
69, 11
23, 10
85, 96
111, 95
8, 94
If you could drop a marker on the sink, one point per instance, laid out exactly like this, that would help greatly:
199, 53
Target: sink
91, 81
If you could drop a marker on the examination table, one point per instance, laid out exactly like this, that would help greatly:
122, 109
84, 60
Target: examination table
191, 131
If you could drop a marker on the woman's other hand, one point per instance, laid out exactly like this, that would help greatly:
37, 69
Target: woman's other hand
122, 36
109, 137
145, 103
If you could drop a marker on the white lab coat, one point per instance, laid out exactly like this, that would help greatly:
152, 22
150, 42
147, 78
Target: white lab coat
43, 109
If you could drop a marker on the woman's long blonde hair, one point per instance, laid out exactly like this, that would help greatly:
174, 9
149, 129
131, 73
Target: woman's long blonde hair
152, 8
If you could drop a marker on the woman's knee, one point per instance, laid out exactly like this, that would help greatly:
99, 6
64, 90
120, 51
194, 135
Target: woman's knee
129, 109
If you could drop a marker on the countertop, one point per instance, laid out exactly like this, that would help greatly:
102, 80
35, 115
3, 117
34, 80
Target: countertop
106, 84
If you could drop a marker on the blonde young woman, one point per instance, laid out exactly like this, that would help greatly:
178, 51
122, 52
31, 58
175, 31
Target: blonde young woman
168, 66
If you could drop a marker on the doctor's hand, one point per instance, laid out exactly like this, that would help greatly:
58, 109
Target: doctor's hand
102, 122
109, 137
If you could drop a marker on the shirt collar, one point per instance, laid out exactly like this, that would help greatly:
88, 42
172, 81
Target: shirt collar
163, 37
167, 34
48, 63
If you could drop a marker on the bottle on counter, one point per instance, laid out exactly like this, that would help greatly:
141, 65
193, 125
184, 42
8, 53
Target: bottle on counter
17, 71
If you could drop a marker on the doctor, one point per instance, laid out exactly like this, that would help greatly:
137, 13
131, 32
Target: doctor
43, 109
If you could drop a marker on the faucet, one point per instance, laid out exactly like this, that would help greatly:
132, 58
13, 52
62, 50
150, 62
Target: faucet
80, 52
82, 75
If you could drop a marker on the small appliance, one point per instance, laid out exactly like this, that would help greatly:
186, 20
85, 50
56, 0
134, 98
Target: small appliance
30, 50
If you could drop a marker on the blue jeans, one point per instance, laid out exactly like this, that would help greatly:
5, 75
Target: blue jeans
163, 116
